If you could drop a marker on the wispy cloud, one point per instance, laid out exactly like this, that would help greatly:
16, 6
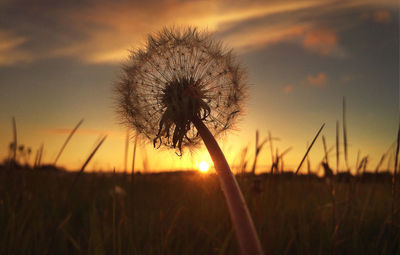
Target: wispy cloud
288, 88
318, 80
323, 41
10, 52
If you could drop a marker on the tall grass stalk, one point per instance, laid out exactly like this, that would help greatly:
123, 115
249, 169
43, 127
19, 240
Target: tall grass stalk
357, 162
309, 148
282, 155
337, 147
126, 151
240, 215
366, 160
378, 166
243, 162
67, 140
308, 164
394, 177
346, 156
85, 164
325, 150
36, 159
114, 225
134, 158
271, 147
15, 142
39, 154
258, 148
253, 168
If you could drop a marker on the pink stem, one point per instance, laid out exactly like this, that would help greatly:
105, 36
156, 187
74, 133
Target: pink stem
240, 216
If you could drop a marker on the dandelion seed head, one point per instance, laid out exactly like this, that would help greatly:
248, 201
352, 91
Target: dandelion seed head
181, 74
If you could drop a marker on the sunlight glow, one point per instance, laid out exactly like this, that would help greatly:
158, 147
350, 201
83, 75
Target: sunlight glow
203, 167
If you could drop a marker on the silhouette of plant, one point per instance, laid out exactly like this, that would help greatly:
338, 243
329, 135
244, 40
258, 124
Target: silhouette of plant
181, 74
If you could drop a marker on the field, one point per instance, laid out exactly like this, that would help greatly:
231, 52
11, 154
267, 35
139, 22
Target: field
43, 212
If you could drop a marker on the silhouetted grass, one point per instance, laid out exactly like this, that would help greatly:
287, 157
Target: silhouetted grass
309, 148
67, 140
346, 155
185, 213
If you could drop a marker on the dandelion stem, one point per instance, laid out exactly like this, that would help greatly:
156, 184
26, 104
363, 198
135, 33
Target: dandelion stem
240, 215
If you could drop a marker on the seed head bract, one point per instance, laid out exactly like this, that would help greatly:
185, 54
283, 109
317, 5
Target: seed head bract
180, 74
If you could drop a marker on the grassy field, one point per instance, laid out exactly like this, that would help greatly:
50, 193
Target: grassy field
185, 213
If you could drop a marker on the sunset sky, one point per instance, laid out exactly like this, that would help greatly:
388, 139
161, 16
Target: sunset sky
60, 59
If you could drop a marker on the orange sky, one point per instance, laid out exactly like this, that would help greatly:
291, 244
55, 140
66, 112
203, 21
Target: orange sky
59, 61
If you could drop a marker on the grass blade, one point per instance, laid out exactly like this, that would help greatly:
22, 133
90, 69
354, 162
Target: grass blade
337, 147
85, 164
346, 158
126, 151
134, 157
325, 150
309, 148
67, 140
15, 145
380, 163
357, 162
394, 177
38, 160
271, 147
257, 151
253, 168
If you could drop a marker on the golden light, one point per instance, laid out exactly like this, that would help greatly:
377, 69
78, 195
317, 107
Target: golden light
203, 167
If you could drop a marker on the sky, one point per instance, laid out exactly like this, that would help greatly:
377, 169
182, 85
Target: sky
59, 61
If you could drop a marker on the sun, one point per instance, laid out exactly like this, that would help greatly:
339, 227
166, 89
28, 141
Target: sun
203, 167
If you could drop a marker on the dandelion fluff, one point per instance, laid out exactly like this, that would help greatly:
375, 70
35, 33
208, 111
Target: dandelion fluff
181, 74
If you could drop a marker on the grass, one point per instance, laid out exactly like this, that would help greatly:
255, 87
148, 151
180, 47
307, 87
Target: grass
309, 148
185, 213
48, 211
67, 140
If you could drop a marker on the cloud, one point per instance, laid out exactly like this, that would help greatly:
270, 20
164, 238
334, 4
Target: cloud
318, 80
10, 52
110, 29
256, 38
317, 40
122, 25
382, 16
323, 41
288, 89
102, 31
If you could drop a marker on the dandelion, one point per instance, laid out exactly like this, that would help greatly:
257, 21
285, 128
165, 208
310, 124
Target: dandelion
182, 88
181, 75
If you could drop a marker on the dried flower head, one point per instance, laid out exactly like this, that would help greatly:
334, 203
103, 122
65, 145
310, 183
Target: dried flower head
181, 74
